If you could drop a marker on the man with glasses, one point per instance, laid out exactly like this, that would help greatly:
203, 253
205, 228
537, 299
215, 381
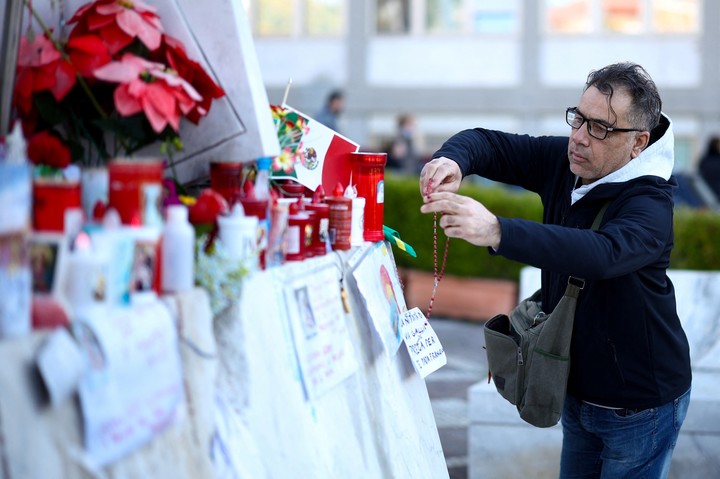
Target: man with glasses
629, 384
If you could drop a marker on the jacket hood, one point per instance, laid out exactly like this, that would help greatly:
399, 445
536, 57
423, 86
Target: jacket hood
657, 159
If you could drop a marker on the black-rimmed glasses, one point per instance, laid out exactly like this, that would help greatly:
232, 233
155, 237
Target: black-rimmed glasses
595, 128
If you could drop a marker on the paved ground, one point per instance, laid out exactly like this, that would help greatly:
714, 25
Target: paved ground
695, 457
448, 387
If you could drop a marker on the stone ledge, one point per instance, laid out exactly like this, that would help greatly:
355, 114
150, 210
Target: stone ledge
473, 299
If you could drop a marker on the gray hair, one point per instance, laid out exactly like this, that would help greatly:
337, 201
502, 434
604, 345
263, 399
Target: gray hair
646, 105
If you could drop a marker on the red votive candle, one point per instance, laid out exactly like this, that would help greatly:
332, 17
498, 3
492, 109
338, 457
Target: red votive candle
128, 180
340, 220
226, 178
368, 171
50, 200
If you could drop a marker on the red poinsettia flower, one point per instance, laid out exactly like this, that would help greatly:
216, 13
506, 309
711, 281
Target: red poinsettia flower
40, 66
119, 22
45, 148
173, 52
87, 52
93, 65
146, 87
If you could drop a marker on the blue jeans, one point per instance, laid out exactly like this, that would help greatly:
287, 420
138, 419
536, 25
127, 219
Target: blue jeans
607, 443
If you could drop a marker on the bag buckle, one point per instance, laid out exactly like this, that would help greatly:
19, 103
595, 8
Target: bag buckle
580, 283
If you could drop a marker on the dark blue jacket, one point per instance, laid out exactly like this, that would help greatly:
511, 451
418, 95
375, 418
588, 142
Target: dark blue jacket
629, 349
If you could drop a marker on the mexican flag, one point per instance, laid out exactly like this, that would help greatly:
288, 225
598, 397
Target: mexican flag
310, 152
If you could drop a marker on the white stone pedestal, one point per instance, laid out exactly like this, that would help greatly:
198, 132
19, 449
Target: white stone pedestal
500, 444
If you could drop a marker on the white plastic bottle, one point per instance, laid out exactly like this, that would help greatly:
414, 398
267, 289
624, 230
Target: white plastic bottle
238, 236
262, 181
178, 251
85, 279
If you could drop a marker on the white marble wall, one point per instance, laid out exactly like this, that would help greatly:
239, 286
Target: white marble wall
698, 305
698, 298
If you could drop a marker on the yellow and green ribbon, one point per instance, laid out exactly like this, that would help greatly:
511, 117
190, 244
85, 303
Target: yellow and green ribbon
394, 238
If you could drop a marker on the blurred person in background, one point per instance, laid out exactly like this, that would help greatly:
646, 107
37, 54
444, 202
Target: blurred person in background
402, 150
329, 114
709, 166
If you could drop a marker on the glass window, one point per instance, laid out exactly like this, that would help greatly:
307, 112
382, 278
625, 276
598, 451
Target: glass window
274, 17
623, 16
676, 16
495, 16
393, 16
683, 155
568, 16
297, 17
443, 16
448, 16
325, 17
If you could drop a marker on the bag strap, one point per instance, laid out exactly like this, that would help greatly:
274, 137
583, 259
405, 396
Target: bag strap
576, 284
599, 217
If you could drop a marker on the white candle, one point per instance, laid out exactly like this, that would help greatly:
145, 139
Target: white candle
85, 279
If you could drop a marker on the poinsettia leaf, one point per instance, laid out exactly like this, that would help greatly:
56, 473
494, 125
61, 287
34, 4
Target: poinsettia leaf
134, 130
64, 80
130, 126
87, 44
85, 132
51, 112
115, 38
137, 48
135, 25
77, 151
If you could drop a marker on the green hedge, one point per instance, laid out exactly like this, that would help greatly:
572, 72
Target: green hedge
696, 231
697, 240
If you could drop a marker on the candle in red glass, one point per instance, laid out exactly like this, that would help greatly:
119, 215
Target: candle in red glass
368, 172
340, 219
50, 200
254, 206
321, 222
128, 182
299, 230
226, 178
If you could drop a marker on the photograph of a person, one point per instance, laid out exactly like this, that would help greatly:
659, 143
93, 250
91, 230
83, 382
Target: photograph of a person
43, 262
307, 317
143, 270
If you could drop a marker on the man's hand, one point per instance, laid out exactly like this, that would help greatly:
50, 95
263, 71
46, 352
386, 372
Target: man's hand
442, 174
464, 218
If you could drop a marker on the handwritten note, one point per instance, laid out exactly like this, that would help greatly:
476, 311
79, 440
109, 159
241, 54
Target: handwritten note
423, 345
135, 382
322, 341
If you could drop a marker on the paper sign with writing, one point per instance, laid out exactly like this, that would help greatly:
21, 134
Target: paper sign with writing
380, 288
322, 341
135, 382
426, 352
61, 365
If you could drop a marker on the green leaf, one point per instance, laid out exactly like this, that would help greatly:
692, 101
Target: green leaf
50, 111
